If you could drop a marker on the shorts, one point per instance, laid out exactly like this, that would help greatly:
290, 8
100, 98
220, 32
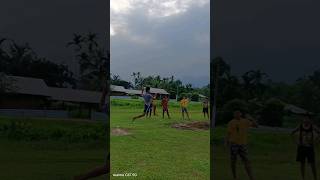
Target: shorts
184, 110
165, 109
241, 150
205, 110
305, 152
147, 108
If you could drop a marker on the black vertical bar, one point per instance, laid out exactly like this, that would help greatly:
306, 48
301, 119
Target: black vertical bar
108, 80
212, 94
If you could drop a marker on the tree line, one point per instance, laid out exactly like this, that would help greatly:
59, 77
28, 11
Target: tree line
254, 92
173, 86
93, 59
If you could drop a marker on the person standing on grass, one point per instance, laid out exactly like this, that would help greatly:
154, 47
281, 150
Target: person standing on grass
164, 104
147, 97
236, 141
154, 105
305, 150
184, 107
205, 108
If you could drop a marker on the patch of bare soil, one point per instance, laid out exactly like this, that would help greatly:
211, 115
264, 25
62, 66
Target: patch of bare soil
196, 125
120, 132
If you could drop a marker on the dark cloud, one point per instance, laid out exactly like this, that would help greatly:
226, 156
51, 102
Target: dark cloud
280, 37
49, 25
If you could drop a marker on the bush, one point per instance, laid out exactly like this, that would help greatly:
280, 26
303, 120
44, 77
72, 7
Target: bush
226, 113
134, 97
195, 97
272, 113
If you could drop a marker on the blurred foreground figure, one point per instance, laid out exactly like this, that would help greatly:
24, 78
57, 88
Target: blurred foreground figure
306, 141
236, 142
105, 169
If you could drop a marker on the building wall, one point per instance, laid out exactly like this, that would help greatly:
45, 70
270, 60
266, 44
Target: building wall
14, 101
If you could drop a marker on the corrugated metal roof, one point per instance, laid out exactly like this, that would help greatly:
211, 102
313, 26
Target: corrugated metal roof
158, 91
75, 95
34, 86
118, 88
132, 91
27, 85
152, 90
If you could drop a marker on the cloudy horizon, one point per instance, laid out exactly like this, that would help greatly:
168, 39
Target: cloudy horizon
167, 37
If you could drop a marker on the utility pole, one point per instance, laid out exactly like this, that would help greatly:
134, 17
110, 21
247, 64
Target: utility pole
177, 93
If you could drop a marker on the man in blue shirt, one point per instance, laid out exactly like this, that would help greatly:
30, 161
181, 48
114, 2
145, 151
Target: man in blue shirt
147, 97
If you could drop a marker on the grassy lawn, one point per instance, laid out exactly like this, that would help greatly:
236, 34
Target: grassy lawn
154, 150
272, 155
36, 149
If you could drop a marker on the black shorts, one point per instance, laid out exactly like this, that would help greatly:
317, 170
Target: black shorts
147, 108
305, 152
205, 110
184, 110
241, 150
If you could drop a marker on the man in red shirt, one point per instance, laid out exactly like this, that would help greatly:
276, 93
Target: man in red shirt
164, 104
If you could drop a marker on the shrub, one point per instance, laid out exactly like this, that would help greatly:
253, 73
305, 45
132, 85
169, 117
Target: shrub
226, 113
272, 113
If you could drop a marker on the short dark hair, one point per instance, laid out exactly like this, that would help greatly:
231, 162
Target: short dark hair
147, 89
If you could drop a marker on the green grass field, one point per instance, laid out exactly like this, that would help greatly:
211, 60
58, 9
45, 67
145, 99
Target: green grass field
272, 155
38, 149
154, 150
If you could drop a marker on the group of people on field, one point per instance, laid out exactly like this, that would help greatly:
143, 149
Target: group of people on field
151, 106
236, 141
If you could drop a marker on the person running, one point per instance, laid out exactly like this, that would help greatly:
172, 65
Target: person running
147, 97
305, 151
236, 141
184, 105
164, 104
205, 109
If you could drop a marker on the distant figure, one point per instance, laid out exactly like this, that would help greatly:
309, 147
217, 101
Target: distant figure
154, 104
236, 141
147, 97
205, 107
164, 104
305, 144
184, 107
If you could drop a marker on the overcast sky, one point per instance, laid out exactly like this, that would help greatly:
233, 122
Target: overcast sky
161, 37
280, 37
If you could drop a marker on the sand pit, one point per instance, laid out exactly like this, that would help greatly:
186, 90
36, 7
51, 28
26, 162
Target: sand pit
196, 125
120, 132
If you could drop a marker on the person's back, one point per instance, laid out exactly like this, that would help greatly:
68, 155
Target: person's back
147, 97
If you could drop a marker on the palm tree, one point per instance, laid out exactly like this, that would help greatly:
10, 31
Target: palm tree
77, 41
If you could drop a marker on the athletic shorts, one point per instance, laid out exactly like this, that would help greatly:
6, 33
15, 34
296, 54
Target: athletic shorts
241, 150
305, 152
184, 110
147, 108
205, 110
